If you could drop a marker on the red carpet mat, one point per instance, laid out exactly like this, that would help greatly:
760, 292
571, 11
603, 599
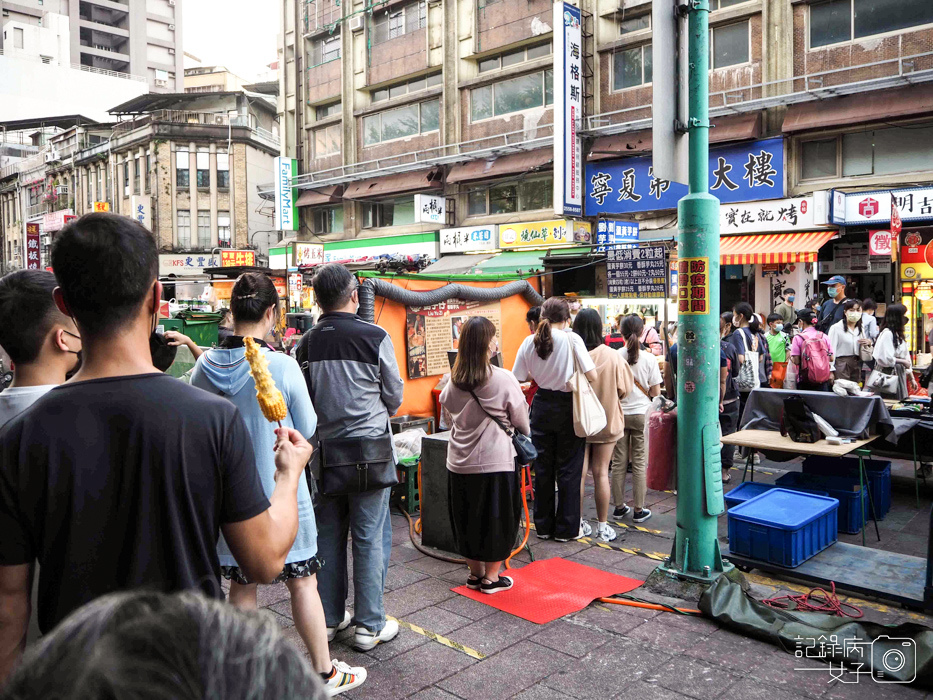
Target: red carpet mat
551, 588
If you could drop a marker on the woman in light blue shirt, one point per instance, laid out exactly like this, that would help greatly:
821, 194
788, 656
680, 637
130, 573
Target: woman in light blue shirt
225, 371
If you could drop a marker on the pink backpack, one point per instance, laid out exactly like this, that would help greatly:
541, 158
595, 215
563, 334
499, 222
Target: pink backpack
814, 360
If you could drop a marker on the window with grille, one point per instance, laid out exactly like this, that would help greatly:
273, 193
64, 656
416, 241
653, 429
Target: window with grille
204, 229
398, 21
631, 68
182, 172
183, 218
223, 229
223, 170
325, 49
512, 95
203, 160
418, 118
838, 21
508, 197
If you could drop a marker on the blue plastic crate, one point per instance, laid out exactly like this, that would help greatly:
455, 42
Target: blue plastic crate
850, 512
750, 489
783, 527
877, 470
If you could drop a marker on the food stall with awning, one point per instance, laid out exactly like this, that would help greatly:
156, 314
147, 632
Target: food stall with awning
770, 246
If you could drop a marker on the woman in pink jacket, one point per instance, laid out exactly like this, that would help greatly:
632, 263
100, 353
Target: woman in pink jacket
484, 494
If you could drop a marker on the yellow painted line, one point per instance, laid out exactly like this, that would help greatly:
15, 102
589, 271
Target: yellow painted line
658, 556
860, 602
449, 643
757, 471
639, 528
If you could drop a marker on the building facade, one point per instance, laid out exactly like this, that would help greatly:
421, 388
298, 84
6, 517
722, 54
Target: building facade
39, 79
381, 101
187, 166
132, 37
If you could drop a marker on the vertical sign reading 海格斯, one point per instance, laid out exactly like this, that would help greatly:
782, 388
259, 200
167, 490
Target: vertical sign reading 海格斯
286, 214
568, 110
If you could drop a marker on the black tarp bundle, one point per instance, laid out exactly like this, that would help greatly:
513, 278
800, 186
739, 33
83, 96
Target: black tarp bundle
896, 653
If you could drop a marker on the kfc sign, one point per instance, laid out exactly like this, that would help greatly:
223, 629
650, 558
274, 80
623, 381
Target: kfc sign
880, 242
868, 207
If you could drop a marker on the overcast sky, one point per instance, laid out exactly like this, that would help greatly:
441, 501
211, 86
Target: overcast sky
239, 34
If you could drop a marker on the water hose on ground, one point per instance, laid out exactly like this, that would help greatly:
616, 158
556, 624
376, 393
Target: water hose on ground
415, 526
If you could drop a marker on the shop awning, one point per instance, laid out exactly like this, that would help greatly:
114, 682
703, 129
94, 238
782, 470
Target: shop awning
456, 264
526, 261
736, 128
323, 195
859, 109
772, 248
393, 184
504, 165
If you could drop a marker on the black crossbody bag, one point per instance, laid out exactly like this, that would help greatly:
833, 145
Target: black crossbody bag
525, 450
350, 465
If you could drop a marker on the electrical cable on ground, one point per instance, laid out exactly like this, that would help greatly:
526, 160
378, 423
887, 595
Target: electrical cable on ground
815, 600
634, 603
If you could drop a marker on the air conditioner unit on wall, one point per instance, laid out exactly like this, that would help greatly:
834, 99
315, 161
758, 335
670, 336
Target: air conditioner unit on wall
219, 119
171, 27
356, 23
171, 3
171, 52
52, 156
160, 83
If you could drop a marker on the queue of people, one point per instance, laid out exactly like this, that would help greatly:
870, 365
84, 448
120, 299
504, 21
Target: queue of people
181, 486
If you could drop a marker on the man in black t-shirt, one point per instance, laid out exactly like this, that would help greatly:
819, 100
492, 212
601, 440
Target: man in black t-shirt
123, 477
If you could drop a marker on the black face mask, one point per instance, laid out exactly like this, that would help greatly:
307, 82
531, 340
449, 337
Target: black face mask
74, 370
163, 354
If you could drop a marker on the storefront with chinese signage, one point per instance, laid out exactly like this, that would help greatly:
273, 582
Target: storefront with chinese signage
876, 229
770, 246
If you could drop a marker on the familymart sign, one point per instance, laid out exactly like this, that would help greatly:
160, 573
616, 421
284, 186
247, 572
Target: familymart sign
286, 213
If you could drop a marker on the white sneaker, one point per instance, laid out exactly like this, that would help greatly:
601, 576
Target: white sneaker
586, 528
606, 533
332, 631
345, 678
579, 534
756, 459
365, 639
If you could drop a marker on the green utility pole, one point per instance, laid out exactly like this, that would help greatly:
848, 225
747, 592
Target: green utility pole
695, 554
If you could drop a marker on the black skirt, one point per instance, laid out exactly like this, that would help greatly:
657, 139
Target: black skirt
484, 513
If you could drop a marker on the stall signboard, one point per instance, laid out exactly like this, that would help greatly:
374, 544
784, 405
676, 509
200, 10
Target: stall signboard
637, 273
611, 233
32, 245
295, 285
170, 264
916, 253
101, 206
433, 331
412, 245
795, 214
56, 220
568, 109
469, 239
912, 204
543, 234
308, 254
430, 209
693, 289
238, 258
738, 173
142, 209
286, 213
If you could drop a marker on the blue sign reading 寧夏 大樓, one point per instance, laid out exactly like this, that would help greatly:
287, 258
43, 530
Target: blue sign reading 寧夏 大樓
737, 173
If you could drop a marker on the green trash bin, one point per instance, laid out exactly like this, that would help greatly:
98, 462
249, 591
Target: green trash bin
203, 333
172, 324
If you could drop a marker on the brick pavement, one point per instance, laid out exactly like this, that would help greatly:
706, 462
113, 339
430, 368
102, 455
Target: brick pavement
601, 652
